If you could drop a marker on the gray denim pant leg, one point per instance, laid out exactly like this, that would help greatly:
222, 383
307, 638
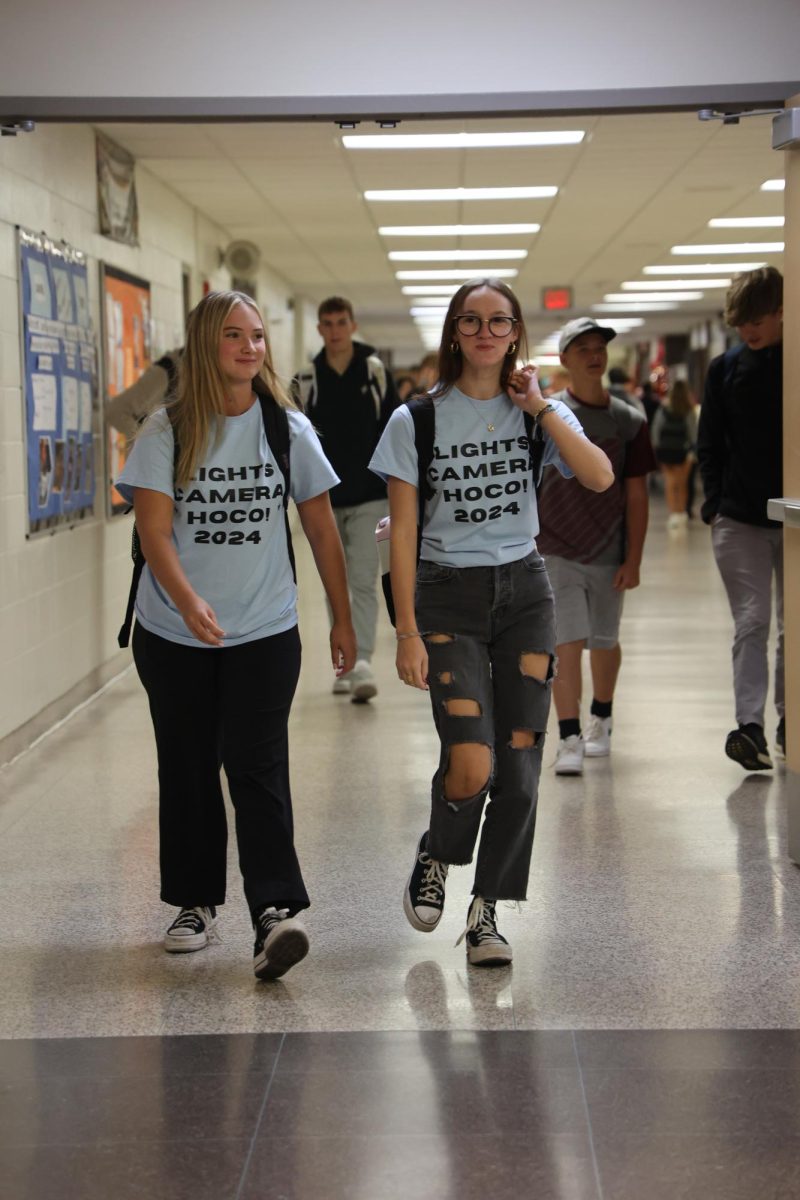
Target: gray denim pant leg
356, 524
493, 616
747, 557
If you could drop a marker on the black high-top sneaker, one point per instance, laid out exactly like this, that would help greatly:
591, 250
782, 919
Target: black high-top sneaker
423, 899
485, 946
281, 941
192, 929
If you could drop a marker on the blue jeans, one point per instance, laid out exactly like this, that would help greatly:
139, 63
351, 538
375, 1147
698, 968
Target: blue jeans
491, 617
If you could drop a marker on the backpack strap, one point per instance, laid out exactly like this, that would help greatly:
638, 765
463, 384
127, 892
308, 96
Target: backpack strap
535, 448
376, 376
276, 427
306, 389
137, 554
730, 360
423, 415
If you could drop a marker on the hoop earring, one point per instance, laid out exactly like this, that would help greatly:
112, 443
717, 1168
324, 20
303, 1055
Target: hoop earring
512, 349
455, 348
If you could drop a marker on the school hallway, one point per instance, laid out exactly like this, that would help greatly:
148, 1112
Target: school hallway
644, 1044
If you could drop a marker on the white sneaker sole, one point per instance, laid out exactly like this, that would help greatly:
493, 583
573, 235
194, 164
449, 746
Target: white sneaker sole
569, 769
596, 751
188, 943
411, 914
360, 693
489, 956
284, 948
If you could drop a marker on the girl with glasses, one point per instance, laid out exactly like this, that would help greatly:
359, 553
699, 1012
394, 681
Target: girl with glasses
475, 624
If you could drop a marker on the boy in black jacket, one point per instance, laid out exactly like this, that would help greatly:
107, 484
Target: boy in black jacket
740, 455
349, 396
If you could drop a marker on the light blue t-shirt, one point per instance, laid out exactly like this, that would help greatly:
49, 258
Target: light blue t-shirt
483, 511
228, 524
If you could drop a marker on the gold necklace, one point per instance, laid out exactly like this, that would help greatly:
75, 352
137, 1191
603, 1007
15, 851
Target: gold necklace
489, 424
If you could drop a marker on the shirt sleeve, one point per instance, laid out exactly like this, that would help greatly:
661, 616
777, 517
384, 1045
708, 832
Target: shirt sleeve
151, 460
396, 453
639, 456
311, 473
552, 457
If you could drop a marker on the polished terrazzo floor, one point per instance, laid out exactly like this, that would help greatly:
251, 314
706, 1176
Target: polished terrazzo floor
661, 900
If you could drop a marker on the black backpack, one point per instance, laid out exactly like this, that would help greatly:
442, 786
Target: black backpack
674, 440
276, 427
423, 415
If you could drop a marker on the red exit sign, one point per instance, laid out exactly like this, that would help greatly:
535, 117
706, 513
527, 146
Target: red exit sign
556, 299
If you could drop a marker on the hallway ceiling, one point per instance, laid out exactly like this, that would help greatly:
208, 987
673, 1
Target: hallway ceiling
634, 187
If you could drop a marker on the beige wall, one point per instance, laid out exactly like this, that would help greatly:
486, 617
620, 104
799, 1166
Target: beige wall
62, 597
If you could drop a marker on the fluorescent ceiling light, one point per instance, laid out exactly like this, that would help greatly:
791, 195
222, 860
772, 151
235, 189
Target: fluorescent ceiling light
431, 289
498, 273
645, 306
731, 248
773, 185
677, 285
746, 222
432, 300
623, 323
702, 268
462, 193
653, 297
458, 230
459, 141
547, 360
440, 311
454, 255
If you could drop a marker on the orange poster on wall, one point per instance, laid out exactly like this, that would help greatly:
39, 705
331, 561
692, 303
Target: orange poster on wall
127, 353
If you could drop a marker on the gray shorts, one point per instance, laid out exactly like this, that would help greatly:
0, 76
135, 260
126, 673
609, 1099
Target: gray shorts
587, 606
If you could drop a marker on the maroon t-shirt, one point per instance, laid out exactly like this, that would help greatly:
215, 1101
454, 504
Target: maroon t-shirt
586, 526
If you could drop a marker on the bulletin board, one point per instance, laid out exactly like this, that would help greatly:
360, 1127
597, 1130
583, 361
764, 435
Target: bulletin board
128, 352
59, 360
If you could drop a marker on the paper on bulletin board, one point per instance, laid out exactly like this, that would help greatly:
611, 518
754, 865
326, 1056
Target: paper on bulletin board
45, 401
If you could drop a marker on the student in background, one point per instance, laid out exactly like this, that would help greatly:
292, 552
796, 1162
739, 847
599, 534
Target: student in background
674, 436
740, 454
593, 544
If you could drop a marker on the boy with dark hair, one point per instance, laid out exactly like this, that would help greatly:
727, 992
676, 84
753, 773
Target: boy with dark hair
349, 396
740, 455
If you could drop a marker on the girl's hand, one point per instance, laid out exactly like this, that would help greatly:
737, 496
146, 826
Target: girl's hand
412, 663
343, 647
523, 389
200, 619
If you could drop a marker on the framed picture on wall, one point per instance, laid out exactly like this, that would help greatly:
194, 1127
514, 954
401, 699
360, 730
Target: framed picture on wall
127, 352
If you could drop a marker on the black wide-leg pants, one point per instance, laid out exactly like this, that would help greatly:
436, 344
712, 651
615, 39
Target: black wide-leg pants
224, 708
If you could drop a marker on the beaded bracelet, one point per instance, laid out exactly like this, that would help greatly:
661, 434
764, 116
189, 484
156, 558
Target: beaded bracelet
401, 637
543, 412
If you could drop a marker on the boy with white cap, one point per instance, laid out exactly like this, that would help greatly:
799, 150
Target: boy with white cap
593, 543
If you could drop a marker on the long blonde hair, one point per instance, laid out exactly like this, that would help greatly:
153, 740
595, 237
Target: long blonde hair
198, 410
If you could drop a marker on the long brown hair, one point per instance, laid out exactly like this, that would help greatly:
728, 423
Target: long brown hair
450, 361
680, 399
198, 410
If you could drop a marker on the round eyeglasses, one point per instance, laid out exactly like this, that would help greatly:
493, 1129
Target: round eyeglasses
470, 326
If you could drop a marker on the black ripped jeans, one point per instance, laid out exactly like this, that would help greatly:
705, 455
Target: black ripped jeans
225, 708
492, 617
